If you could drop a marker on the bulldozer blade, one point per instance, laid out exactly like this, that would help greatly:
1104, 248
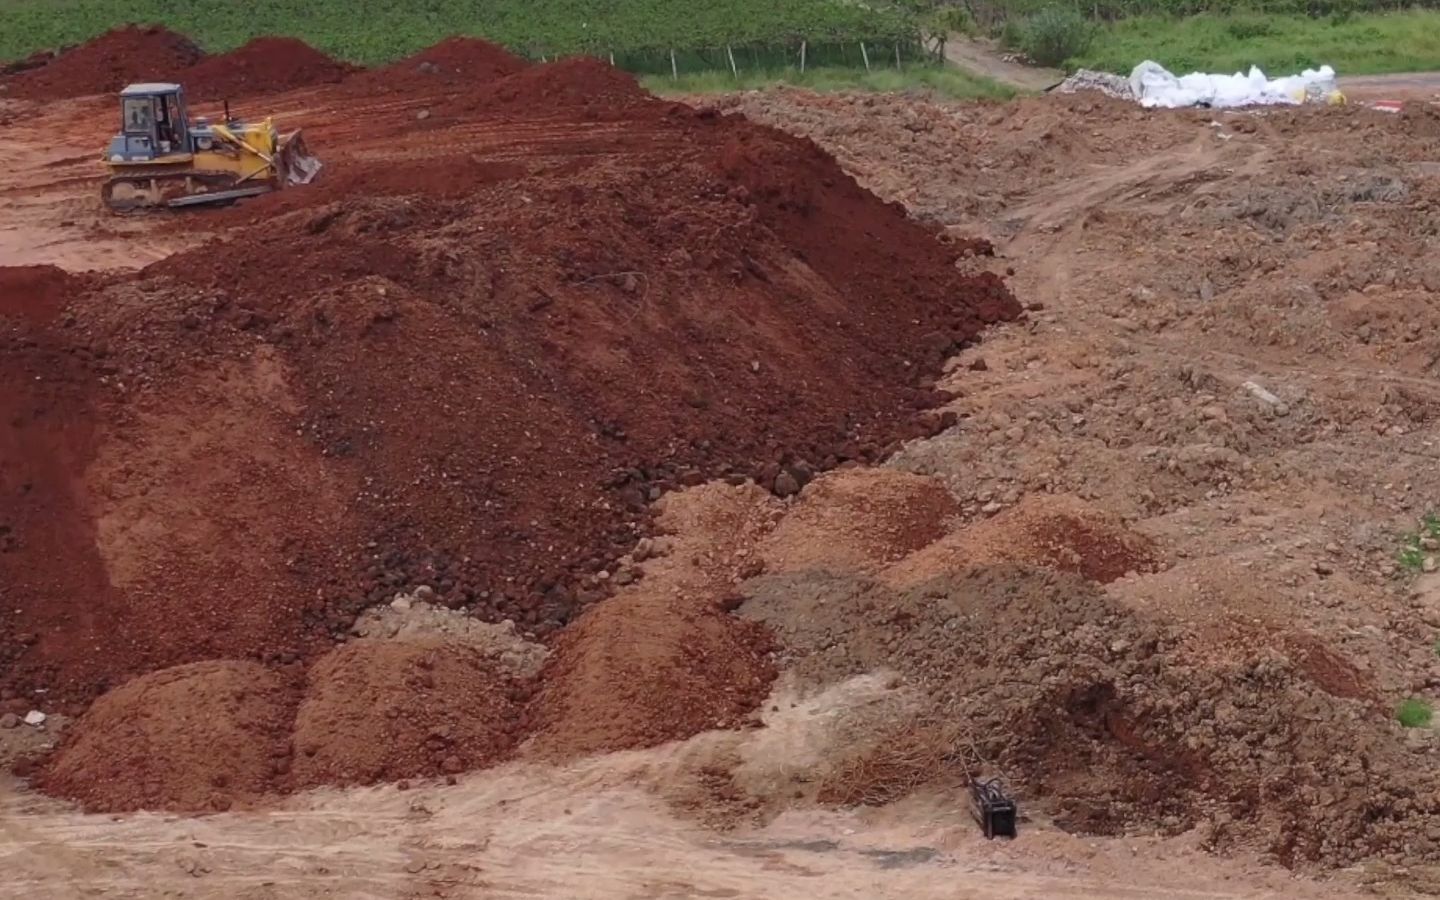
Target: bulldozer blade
293, 161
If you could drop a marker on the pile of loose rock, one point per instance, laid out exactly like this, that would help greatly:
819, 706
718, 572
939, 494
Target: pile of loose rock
1107, 83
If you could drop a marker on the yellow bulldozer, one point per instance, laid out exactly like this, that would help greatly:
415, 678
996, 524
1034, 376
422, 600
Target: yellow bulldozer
161, 158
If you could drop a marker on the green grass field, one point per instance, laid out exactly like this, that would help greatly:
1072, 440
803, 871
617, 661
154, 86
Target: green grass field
1364, 44
374, 31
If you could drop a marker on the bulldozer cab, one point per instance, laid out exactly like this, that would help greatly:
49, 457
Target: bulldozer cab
153, 124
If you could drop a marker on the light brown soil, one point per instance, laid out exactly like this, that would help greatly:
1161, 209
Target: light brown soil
860, 519
377, 710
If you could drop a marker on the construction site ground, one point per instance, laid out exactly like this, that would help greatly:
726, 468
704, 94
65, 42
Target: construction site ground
1150, 571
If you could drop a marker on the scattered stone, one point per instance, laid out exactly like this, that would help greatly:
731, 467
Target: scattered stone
1324, 568
9, 720
424, 593
979, 365
992, 508
1428, 565
786, 485
422, 115
35, 718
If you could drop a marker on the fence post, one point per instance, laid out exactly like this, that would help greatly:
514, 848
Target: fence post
733, 69
897, 57
674, 69
865, 56
802, 57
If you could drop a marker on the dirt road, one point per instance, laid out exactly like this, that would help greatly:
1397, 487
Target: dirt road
984, 57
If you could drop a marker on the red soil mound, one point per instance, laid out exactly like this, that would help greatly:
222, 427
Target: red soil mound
192, 738
475, 382
377, 710
456, 62
263, 66
640, 669
468, 57
561, 86
107, 63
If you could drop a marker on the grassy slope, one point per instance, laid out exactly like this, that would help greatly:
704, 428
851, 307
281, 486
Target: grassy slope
944, 82
1363, 45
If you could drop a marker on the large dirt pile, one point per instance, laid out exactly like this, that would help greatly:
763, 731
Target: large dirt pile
1117, 723
382, 710
477, 390
265, 65
107, 63
196, 737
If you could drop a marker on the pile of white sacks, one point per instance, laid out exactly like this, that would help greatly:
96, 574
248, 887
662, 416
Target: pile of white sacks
1152, 85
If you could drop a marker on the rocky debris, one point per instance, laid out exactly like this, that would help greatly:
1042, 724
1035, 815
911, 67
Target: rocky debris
34, 718
1107, 83
786, 485
9, 720
407, 618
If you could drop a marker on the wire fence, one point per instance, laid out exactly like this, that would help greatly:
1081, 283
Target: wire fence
802, 55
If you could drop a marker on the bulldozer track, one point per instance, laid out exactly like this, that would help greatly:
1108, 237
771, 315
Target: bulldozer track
131, 193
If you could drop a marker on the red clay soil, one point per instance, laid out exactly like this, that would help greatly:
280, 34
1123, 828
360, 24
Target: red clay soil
196, 738
379, 710
266, 65
107, 63
455, 62
641, 669
36, 293
476, 381
578, 82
